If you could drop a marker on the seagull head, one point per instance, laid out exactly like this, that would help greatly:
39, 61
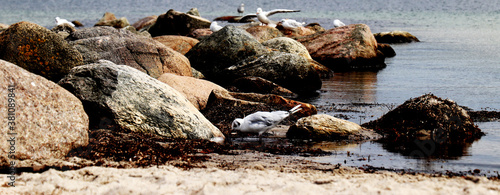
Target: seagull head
259, 10
237, 124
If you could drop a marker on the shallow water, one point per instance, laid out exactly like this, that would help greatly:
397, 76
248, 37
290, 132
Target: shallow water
457, 59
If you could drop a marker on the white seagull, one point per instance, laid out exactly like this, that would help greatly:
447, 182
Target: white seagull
214, 27
291, 24
260, 122
337, 23
60, 21
241, 8
262, 15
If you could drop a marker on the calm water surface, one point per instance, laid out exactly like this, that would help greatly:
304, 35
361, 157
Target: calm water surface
457, 58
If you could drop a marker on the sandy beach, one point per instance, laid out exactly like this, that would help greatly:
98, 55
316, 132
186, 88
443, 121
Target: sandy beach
248, 172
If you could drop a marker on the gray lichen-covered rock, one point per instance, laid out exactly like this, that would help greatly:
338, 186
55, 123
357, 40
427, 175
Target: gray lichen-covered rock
232, 53
48, 121
123, 47
322, 127
288, 70
38, 50
134, 101
222, 49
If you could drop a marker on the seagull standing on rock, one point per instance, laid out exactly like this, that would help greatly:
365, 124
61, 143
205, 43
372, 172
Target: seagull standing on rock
214, 27
338, 23
262, 15
260, 122
241, 8
60, 21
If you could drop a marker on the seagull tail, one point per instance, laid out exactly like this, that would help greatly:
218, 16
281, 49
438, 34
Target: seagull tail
295, 109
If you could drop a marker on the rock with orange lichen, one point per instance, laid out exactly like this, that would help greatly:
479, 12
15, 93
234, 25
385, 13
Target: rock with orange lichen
38, 50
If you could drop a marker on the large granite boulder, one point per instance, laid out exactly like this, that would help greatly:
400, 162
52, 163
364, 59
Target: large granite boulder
322, 127
109, 19
347, 48
289, 45
395, 37
291, 71
427, 117
264, 33
181, 44
123, 47
177, 23
41, 120
195, 90
38, 50
232, 53
130, 100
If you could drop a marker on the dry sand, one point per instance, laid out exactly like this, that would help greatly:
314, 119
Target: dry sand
249, 172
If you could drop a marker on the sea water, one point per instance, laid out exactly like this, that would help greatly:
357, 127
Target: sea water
457, 58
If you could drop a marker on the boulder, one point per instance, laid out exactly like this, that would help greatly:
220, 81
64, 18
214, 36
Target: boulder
427, 117
395, 37
38, 50
232, 53
296, 32
288, 70
109, 19
346, 48
3, 27
123, 47
322, 127
181, 44
386, 49
223, 107
194, 12
195, 90
63, 30
48, 121
129, 100
288, 45
224, 48
260, 85
145, 23
200, 33
177, 23
315, 27
264, 33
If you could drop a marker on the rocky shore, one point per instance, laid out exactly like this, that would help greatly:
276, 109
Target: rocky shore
109, 108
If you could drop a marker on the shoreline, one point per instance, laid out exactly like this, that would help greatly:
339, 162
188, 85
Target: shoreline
247, 172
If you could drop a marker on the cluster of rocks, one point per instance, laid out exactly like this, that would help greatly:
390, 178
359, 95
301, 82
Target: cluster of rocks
148, 78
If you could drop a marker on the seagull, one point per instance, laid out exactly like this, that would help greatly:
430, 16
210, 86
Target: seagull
260, 122
241, 8
337, 23
262, 15
60, 21
214, 27
291, 24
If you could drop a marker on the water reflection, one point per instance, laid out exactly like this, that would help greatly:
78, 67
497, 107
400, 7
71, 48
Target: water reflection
350, 87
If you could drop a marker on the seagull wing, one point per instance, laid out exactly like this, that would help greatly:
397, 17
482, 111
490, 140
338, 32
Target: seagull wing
275, 11
247, 18
263, 118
